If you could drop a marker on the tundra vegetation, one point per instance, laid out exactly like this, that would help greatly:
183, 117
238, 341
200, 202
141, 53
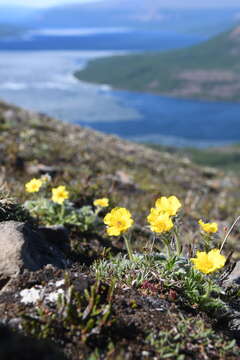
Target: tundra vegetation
151, 244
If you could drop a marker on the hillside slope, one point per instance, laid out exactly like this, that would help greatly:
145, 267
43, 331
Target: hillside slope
209, 71
103, 305
94, 164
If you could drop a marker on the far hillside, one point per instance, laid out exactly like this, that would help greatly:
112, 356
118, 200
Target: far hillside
210, 70
225, 158
148, 14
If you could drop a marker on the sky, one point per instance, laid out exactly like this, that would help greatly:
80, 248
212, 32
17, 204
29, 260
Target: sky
164, 3
41, 3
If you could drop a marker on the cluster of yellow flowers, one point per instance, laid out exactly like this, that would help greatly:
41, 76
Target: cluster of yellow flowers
119, 220
208, 262
59, 194
160, 216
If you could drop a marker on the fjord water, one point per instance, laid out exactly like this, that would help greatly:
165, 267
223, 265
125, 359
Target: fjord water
42, 79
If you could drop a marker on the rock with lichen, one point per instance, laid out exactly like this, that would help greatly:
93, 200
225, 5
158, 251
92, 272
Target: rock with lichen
23, 247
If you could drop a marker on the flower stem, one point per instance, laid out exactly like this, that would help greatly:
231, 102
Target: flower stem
168, 250
62, 211
207, 240
128, 247
166, 242
177, 242
153, 242
97, 211
209, 287
229, 232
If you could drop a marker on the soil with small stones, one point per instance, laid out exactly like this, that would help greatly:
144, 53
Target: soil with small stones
136, 313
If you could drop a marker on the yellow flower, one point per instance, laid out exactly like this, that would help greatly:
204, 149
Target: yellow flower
154, 214
33, 186
118, 221
209, 262
59, 194
208, 227
104, 202
159, 222
169, 205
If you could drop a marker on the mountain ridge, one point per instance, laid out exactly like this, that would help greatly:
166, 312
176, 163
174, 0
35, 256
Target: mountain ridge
147, 15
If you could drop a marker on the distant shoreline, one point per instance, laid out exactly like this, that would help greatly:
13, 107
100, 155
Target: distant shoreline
77, 75
208, 71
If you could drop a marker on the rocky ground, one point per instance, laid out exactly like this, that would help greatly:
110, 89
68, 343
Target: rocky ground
69, 292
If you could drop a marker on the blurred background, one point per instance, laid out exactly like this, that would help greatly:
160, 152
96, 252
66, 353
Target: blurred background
161, 72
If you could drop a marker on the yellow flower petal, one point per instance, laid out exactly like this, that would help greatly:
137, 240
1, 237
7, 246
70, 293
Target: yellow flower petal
104, 202
208, 227
159, 222
112, 231
219, 260
170, 205
118, 221
209, 262
33, 186
59, 194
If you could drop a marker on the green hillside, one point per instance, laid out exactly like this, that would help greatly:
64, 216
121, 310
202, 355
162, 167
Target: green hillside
210, 70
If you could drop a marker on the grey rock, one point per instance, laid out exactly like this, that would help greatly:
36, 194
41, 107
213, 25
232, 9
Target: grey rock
16, 346
22, 247
234, 324
156, 303
4, 280
42, 169
58, 235
124, 178
233, 276
230, 322
209, 172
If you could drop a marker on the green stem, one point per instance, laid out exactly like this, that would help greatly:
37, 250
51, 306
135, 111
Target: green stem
153, 242
209, 287
168, 250
128, 247
206, 243
97, 211
167, 244
177, 242
62, 211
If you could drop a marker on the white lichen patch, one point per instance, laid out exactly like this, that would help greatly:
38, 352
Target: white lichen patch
53, 296
39, 293
60, 283
31, 296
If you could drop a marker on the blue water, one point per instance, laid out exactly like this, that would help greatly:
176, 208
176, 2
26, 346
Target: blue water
133, 40
176, 122
43, 81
